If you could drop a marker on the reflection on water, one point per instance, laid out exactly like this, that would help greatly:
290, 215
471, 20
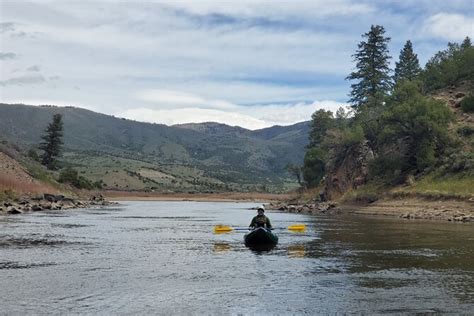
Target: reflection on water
163, 258
221, 247
296, 251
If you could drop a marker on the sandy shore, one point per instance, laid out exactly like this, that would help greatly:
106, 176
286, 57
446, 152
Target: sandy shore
406, 208
412, 208
201, 197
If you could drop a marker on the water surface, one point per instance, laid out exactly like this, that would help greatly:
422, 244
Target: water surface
162, 257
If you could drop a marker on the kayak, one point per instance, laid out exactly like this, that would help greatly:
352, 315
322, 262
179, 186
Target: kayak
260, 236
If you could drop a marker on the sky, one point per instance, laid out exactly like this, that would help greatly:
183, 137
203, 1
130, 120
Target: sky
248, 63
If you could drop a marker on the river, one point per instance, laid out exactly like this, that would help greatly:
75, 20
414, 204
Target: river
163, 258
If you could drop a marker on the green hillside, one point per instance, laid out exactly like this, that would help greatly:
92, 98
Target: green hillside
133, 155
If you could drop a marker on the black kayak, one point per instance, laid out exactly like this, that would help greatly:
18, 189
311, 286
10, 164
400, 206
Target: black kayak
260, 236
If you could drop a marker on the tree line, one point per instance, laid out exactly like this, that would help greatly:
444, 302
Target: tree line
390, 112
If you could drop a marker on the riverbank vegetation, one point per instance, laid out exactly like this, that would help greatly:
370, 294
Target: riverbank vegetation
406, 133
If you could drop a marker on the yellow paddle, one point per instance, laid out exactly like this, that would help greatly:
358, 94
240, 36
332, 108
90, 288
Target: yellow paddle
226, 229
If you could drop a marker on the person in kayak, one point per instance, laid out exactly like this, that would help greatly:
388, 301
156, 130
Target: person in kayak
260, 220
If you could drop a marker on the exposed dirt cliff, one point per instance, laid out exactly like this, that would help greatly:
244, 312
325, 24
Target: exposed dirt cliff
350, 173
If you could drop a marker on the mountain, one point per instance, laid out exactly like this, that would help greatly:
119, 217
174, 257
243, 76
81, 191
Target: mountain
126, 154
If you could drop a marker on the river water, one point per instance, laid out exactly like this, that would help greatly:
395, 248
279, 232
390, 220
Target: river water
162, 258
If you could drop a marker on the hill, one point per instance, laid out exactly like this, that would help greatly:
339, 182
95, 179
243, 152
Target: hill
133, 155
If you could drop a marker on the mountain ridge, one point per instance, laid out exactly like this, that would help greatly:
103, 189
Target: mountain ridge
218, 154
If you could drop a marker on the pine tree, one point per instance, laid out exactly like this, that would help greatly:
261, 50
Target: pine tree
321, 121
466, 43
408, 66
373, 72
52, 142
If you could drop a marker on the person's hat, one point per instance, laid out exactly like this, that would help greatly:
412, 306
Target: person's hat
261, 208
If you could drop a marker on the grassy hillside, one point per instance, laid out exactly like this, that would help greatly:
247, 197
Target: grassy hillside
133, 155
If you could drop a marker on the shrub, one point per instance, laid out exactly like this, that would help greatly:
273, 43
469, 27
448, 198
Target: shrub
390, 169
467, 104
465, 131
33, 155
71, 176
314, 167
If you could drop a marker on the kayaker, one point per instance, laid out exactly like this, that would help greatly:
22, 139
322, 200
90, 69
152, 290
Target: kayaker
260, 220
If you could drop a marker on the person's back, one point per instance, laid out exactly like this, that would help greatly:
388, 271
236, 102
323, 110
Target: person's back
260, 220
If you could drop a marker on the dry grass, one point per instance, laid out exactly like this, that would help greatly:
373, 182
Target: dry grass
449, 187
10, 187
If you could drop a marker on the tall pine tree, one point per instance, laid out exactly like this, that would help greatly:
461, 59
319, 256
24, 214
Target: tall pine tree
52, 141
373, 72
408, 66
466, 43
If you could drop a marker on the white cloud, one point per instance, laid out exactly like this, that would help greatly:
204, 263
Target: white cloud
287, 114
453, 27
192, 115
174, 107
253, 8
23, 80
181, 99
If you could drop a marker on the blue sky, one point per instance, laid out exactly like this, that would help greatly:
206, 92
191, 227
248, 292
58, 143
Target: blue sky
248, 63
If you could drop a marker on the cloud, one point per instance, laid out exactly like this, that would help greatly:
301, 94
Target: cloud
4, 56
24, 80
175, 107
454, 27
256, 8
34, 68
287, 114
7, 27
12, 29
175, 99
195, 115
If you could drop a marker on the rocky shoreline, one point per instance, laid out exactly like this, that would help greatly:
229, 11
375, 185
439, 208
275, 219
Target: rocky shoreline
305, 208
50, 202
446, 210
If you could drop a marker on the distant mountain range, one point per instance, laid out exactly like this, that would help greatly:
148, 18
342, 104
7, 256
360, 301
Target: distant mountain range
142, 156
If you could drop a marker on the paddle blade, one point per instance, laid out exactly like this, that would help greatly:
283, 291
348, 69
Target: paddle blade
222, 229
297, 227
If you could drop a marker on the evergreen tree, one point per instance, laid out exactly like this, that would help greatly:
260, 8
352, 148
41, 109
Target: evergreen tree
466, 43
421, 123
295, 171
52, 142
450, 66
321, 121
314, 166
373, 72
408, 67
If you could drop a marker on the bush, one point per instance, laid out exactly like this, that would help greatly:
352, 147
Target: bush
71, 176
467, 104
314, 167
33, 155
390, 169
465, 131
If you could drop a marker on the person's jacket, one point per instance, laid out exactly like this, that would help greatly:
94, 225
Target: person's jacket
260, 221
